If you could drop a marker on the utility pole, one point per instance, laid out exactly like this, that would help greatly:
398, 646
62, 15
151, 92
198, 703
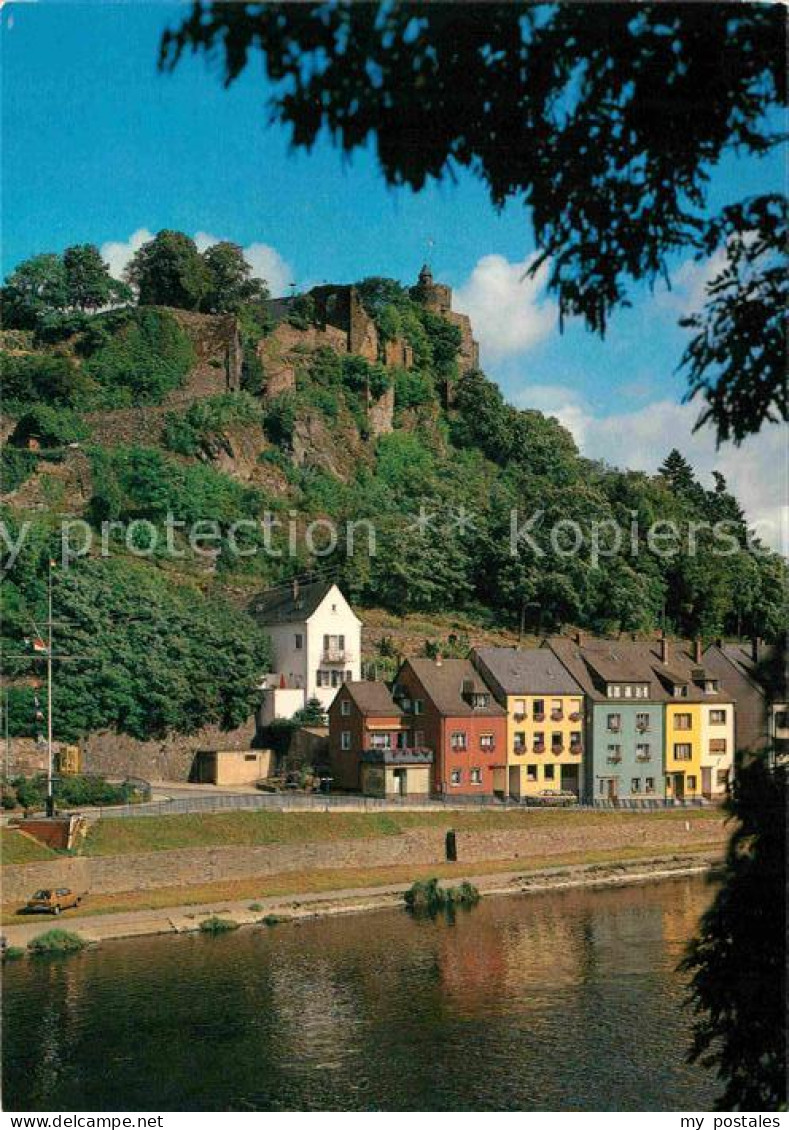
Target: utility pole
50, 790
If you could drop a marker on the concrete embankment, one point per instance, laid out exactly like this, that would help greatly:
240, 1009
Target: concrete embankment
188, 918
522, 840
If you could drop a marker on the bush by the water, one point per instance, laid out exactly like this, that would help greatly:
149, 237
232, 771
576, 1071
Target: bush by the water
57, 941
427, 897
217, 925
13, 953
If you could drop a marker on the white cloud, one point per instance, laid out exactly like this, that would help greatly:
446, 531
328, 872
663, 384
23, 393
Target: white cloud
757, 472
508, 309
687, 294
265, 261
117, 255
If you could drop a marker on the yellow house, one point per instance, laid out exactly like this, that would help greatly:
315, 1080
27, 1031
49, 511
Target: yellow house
545, 721
699, 730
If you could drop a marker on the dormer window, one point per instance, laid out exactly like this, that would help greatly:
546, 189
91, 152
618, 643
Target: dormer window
711, 686
479, 701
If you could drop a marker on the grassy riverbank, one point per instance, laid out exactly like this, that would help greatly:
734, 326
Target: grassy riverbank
165, 833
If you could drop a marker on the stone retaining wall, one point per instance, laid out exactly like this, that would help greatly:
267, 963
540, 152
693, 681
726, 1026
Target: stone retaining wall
107, 874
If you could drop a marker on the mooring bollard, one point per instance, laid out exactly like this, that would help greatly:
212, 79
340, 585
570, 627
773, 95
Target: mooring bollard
451, 847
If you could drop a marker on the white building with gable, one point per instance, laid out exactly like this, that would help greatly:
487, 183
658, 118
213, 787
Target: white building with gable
316, 645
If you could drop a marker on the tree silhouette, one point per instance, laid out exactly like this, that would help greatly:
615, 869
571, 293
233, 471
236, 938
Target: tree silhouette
605, 119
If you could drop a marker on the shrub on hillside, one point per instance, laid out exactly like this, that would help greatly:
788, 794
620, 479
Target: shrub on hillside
16, 467
146, 356
44, 378
49, 427
193, 432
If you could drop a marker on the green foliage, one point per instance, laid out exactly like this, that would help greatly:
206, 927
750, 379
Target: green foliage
56, 943
230, 283
143, 482
13, 953
413, 389
361, 376
575, 91
78, 790
16, 466
217, 925
301, 312
205, 422
50, 427
737, 961
88, 281
155, 656
35, 288
147, 354
43, 378
428, 898
280, 419
313, 714
169, 271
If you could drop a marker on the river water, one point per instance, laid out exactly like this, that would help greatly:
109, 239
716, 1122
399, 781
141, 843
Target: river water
541, 1002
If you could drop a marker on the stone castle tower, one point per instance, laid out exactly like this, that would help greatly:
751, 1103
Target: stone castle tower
437, 298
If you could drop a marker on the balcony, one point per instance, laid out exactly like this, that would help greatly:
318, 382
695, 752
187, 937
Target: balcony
539, 748
557, 715
539, 717
575, 716
614, 727
519, 750
642, 727
576, 748
336, 655
643, 757
614, 760
519, 717
557, 747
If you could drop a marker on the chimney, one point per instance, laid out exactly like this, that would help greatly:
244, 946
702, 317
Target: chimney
756, 647
295, 589
663, 647
697, 651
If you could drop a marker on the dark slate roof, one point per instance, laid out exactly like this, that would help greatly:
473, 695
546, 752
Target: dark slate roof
373, 698
283, 605
595, 662
741, 657
532, 671
444, 682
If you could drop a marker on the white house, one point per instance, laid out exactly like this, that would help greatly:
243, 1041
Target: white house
316, 645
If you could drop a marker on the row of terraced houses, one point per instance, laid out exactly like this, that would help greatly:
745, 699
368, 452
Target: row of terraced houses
599, 720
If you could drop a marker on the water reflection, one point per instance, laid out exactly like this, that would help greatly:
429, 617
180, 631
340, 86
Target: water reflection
542, 1002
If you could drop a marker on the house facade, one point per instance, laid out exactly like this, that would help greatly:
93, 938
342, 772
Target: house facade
454, 714
623, 720
316, 643
363, 718
658, 725
762, 710
545, 721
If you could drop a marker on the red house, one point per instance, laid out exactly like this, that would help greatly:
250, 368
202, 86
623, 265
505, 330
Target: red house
452, 712
371, 746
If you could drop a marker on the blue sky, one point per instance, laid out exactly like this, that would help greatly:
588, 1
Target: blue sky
97, 146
